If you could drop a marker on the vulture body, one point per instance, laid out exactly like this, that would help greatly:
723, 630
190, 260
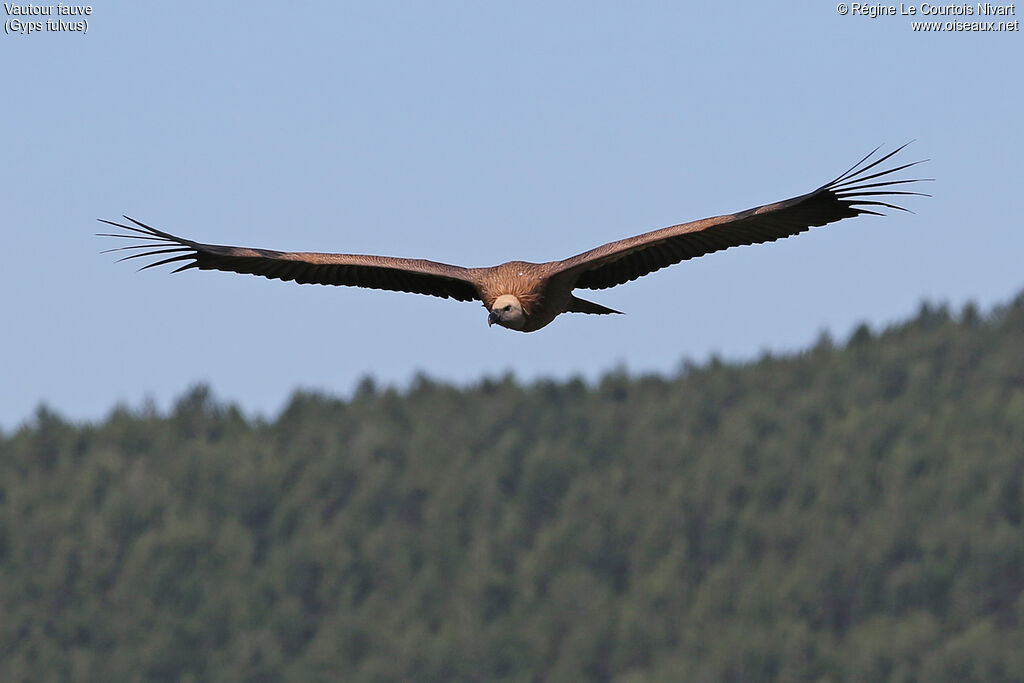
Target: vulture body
527, 296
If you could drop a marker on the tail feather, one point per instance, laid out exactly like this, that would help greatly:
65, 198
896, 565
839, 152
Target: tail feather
577, 305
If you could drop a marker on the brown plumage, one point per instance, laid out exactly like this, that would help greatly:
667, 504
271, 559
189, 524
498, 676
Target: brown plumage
527, 296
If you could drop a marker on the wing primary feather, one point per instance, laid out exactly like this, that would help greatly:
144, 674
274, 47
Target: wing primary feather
143, 229
135, 246
155, 252
151, 229
166, 260
872, 193
887, 183
869, 202
130, 237
852, 172
859, 178
853, 168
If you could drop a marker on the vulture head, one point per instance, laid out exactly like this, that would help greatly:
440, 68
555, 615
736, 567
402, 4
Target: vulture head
507, 312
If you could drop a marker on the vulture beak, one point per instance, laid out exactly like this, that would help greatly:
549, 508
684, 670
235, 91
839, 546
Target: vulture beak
492, 318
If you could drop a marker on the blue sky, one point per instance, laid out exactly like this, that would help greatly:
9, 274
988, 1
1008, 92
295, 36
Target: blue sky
475, 133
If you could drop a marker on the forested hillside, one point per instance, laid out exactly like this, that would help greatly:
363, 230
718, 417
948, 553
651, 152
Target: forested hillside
850, 513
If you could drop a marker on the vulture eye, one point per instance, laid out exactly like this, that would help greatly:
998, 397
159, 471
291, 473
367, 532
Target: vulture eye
508, 307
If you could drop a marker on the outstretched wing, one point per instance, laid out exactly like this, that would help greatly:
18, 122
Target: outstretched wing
849, 195
378, 272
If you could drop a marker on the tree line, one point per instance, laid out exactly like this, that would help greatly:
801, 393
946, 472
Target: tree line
850, 512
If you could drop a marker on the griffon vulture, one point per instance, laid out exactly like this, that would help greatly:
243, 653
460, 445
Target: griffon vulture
527, 296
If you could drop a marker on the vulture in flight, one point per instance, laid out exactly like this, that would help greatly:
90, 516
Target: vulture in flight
527, 296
